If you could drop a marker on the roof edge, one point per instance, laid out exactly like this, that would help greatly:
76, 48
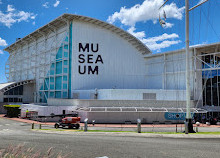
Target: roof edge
74, 16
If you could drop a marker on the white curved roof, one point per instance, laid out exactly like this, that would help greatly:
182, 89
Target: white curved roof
7, 86
4, 85
62, 21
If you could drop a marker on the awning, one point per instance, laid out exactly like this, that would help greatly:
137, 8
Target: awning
7, 86
4, 85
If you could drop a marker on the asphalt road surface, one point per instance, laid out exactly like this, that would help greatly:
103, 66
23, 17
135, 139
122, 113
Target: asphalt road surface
92, 145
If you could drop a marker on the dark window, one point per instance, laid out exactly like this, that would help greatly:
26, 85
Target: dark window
11, 99
11, 92
15, 91
15, 99
20, 90
19, 99
5, 99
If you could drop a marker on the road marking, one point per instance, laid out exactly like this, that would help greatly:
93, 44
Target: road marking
7, 124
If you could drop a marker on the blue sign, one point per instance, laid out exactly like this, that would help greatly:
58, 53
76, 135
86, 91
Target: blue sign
175, 115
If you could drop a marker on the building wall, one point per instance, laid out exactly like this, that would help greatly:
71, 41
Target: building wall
28, 93
46, 110
167, 71
123, 65
1, 96
198, 86
120, 66
2, 109
131, 94
79, 103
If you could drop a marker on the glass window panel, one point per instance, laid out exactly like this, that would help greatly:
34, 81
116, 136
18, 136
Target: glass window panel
59, 68
51, 94
65, 95
58, 83
59, 53
58, 94
64, 86
64, 78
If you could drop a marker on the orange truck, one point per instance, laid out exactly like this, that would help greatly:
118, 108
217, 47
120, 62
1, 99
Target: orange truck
70, 122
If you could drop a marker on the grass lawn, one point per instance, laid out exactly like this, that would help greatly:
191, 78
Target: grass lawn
72, 130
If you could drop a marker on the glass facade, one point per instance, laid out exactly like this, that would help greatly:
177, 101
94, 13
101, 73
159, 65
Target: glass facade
58, 81
211, 79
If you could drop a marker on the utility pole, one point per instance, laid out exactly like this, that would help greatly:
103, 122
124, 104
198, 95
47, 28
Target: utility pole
188, 121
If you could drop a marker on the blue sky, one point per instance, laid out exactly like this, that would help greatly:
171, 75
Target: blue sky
18, 18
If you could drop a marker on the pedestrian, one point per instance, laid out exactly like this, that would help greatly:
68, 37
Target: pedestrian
27, 113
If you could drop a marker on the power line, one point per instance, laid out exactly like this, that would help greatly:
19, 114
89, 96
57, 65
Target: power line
198, 5
163, 4
211, 25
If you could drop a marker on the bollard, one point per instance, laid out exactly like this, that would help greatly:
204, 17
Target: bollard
139, 125
176, 128
93, 122
32, 126
207, 123
85, 125
197, 126
39, 126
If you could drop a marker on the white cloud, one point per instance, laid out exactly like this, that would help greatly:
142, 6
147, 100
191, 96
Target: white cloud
10, 8
148, 10
1, 52
3, 42
56, 4
46, 5
168, 25
158, 42
0, 2
138, 35
14, 16
162, 41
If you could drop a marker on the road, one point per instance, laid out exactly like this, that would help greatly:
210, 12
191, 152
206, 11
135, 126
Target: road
92, 145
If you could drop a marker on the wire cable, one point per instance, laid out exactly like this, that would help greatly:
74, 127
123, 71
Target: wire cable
211, 25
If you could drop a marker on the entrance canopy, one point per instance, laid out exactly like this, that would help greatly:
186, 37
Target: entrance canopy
7, 86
